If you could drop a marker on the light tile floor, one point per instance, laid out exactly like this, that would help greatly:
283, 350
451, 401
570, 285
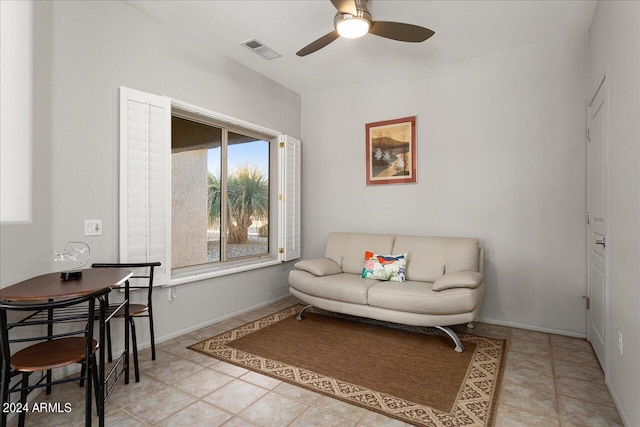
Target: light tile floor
549, 380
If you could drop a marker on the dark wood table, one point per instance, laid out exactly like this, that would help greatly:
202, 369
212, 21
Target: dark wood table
51, 287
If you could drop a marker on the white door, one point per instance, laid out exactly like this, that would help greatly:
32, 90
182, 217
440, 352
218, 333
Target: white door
597, 219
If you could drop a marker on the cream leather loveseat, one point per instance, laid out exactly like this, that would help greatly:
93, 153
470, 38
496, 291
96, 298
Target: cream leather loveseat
444, 280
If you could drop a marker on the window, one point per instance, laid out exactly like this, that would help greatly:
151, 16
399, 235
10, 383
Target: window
203, 193
220, 192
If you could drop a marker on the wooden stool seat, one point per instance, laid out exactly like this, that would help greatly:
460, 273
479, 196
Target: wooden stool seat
134, 310
51, 354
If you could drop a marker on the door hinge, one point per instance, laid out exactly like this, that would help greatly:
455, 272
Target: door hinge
587, 302
588, 134
281, 250
588, 218
282, 145
281, 197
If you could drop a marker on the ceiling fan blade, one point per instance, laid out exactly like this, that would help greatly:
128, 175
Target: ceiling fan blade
318, 44
346, 6
400, 31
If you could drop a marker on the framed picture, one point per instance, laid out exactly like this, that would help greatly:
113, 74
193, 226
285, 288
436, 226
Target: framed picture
391, 151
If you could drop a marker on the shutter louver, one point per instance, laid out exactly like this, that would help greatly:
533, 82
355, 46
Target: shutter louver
145, 147
289, 204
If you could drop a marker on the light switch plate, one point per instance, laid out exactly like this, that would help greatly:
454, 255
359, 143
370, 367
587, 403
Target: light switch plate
93, 227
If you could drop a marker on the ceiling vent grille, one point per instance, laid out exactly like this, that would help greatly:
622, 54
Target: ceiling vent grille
260, 49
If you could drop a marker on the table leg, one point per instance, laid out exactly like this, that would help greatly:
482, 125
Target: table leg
101, 367
49, 333
126, 332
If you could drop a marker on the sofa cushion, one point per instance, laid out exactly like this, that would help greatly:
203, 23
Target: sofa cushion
462, 254
431, 257
458, 279
427, 256
384, 267
319, 266
347, 249
419, 297
343, 287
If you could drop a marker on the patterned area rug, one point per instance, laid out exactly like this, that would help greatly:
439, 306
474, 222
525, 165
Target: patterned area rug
408, 373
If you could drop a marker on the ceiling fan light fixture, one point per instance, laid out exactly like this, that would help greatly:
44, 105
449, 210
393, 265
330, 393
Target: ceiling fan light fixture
353, 20
350, 26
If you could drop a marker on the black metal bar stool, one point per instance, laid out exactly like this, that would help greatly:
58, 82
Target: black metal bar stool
135, 310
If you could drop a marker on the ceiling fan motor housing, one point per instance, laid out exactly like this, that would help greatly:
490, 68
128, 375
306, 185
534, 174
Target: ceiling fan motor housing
363, 17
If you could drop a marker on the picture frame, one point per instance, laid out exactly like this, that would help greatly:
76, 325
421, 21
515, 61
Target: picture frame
391, 151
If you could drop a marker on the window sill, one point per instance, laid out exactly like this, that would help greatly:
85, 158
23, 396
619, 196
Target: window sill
209, 273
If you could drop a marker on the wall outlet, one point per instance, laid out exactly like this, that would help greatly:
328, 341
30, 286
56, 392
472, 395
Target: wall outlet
620, 348
93, 227
172, 293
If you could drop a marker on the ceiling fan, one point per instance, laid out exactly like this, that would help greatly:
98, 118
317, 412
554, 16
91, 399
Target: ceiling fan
353, 20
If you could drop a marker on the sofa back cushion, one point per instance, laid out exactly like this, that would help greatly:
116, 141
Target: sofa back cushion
430, 257
347, 249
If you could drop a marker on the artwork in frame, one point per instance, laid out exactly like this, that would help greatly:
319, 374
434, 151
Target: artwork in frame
391, 151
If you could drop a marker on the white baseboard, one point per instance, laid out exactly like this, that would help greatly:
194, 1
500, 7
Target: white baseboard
533, 328
618, 404
161, 339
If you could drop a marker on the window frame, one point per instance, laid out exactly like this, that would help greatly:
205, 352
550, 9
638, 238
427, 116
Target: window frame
284, 192
203, 118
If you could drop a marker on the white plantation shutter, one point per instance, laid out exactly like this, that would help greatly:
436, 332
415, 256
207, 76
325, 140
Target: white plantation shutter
145, 180
289, 198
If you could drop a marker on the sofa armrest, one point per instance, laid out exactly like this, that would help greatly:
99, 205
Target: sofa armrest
319, 266
458, 279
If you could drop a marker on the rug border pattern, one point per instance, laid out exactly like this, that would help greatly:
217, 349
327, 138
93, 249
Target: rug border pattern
474, 407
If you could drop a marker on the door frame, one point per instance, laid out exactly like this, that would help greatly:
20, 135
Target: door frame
601, 88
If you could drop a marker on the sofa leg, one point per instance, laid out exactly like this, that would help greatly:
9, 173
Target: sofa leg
459, 347
470, 325
300, 316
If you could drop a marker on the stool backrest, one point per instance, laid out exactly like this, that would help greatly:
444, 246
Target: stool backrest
136, 275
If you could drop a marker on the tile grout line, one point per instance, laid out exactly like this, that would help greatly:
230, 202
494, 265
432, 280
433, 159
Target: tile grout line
133, 416
510, 350
300, 416
580, 398
555, 382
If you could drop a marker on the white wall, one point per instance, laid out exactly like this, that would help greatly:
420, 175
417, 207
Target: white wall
614, 39
83, 51
16, 110
25, 247
501, 156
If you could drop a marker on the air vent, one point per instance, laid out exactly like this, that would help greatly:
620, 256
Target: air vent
260, 49
253, 44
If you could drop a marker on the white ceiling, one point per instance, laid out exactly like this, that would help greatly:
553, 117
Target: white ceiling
463, 29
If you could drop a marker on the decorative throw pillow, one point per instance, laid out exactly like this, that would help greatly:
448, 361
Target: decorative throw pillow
384, 267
